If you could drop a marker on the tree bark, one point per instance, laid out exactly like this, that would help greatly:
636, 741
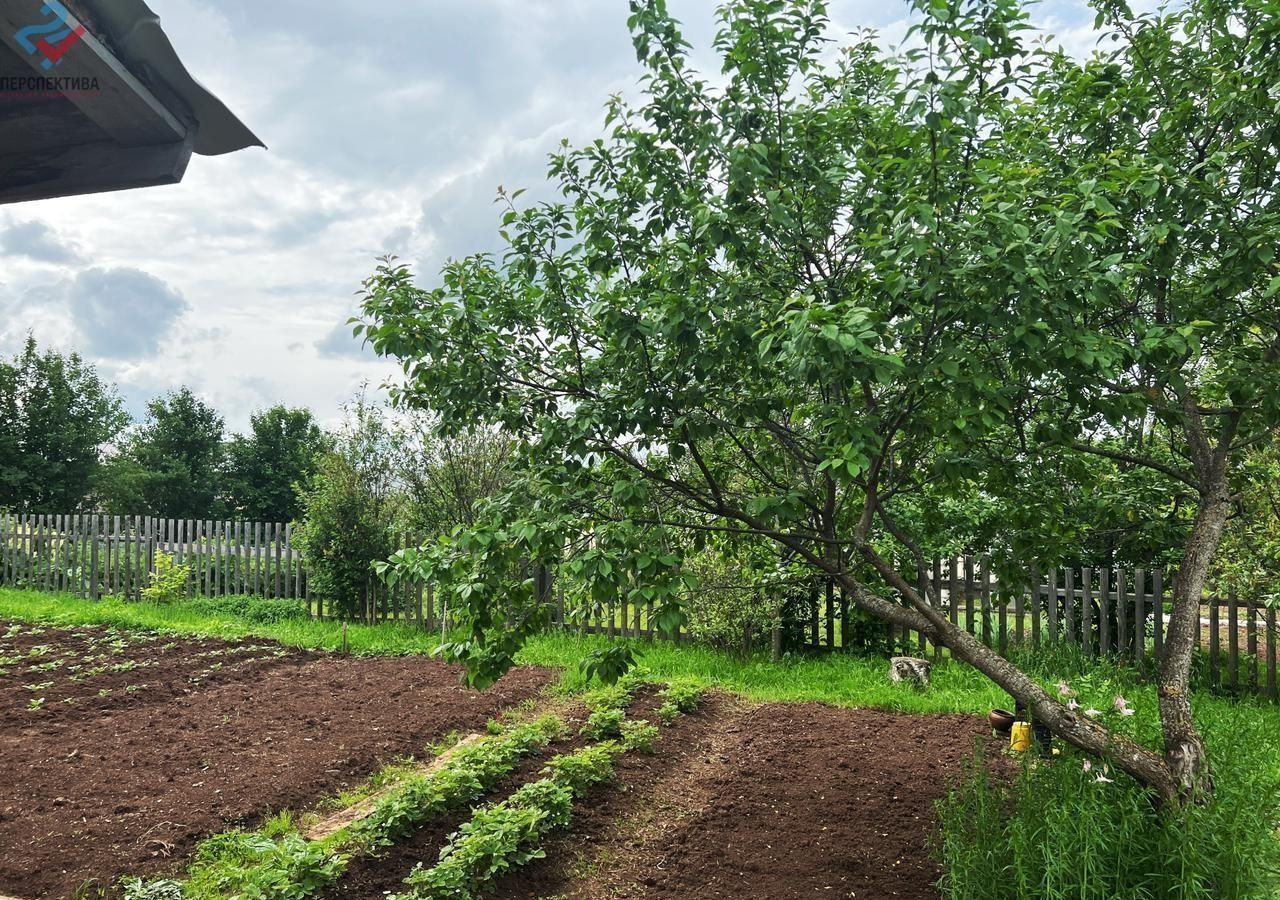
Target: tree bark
1080, 731
1184, 748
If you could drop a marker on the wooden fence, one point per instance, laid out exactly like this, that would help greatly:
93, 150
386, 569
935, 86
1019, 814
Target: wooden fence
1118, 613
94, 556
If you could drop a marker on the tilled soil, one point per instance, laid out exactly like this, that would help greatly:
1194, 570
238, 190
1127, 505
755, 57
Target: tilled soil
214, 734
775, 801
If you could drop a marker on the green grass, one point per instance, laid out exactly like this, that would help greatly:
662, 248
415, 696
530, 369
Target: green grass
185, 619
832, 678
1058, 832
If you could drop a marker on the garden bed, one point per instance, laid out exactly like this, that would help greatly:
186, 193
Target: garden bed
775, 801
215, 734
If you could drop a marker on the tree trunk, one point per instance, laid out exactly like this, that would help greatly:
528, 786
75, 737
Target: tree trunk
1183, 746
1146, 766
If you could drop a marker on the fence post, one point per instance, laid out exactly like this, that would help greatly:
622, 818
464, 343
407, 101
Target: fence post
1157, 604
1233, 642
1215, 665
1272, 690
1086, 610
1139, 616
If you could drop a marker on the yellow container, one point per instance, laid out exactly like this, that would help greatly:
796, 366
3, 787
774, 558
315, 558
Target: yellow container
1020, 737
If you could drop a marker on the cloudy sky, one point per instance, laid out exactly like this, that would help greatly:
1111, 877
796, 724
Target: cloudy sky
390, 126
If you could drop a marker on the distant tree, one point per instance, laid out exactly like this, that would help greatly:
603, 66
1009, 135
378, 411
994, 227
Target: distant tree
172, 465
265, 468
56, 413
350, 509
446, 480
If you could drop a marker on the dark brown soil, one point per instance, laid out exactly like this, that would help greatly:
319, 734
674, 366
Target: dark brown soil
128, 782
775, 802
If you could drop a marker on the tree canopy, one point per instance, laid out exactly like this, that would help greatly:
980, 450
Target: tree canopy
56, 414
266, 468
836, 285
171, 465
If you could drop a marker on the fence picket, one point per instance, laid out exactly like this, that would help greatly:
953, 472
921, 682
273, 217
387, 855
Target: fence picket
1139, 616
1233, 642
1157, 610
1215, 666
1104, 613
1069, 604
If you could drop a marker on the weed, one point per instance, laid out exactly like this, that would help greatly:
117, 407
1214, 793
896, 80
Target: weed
1069, 828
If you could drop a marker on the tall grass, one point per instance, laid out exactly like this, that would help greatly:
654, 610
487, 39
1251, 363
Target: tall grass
1056, 831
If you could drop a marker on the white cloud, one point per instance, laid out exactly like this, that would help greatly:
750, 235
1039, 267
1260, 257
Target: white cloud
390, 126
122, 313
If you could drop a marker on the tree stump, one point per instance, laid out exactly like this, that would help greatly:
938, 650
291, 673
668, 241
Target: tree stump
910, 670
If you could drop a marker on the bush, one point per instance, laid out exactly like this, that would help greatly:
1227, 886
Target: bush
168, 581
350, 512
677, 698
251, 609
1071, 828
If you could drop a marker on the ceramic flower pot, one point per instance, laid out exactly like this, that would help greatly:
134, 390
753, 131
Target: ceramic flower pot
1001, 720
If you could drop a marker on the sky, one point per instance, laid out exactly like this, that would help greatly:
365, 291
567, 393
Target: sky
389, 128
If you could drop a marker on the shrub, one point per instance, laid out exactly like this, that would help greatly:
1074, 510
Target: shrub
168, 581
1071, 828
350, 511
582, 769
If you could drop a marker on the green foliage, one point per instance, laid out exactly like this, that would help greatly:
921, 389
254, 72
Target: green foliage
168, 582
495, 840
608, 663
55, 415
1070, 828
256, 610
638, 735
465, 778
448, 481
742, 585
159, 889
603, 723
255, 866
171, 466
507, 835
266, 468
584, 769
350, 511
679, 697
